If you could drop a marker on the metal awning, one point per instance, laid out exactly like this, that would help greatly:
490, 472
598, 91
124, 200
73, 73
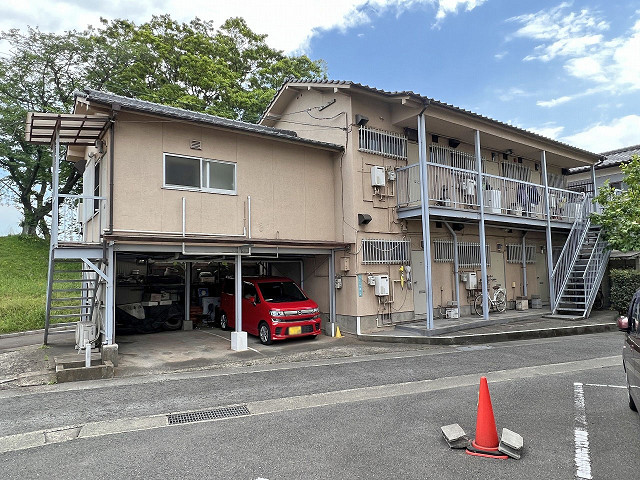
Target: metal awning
73, 129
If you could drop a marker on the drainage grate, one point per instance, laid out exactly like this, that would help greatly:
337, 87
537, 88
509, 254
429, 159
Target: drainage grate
223, 412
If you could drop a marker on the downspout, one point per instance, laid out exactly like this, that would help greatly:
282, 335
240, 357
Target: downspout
112, 139
524, 264
455, 264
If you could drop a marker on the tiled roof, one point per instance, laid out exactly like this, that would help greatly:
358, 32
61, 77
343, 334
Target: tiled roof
423, 99
613, 159
182, 114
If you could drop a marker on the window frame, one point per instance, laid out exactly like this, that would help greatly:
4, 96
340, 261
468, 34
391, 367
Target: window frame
203, 164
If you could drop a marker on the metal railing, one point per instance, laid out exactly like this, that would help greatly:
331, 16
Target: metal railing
81, 218
594, 271
382, 142
457, 188
571, 249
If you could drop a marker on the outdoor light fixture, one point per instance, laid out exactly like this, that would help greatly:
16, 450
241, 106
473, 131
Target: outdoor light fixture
363, 218
361, 120
453, 143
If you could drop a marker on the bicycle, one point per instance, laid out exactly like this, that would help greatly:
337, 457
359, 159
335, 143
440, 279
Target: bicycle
497, 303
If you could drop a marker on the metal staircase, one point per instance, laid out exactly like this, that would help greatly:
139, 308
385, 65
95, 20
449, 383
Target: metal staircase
580, 267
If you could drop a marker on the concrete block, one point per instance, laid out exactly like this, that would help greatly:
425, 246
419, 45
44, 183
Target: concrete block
455, 436
110, 353
77, 372
187, 325
239, 341
511, 443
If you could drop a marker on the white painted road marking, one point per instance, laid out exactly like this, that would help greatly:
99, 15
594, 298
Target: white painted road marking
261, 407
229, 340
601, 385
581, 436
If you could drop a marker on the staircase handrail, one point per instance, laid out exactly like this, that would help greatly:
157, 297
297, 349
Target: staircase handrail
591, 280
571, 249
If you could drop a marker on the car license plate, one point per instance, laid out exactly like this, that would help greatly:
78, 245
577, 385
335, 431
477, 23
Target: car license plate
295, 330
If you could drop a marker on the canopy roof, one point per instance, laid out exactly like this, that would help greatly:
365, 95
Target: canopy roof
73, 129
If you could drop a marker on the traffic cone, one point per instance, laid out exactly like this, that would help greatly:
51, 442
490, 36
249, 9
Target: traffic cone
338, 334
486, 442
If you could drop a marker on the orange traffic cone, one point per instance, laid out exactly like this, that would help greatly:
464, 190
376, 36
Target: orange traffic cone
486, 442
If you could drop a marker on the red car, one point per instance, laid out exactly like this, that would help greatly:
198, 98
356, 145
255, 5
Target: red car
273, 308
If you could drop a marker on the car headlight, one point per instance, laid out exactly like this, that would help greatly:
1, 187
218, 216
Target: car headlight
315, 310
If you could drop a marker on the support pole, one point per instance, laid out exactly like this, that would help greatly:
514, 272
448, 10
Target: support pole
238, 337
483, 239
524, 264
456, 272
424, 208
332, 292
187, 291
54, 230
109, 309
552, 290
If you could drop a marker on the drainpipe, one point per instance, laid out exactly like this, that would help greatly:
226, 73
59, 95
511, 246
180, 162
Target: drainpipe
524, 265
455, 264
112, 139
424, 208
483, 240
593, 179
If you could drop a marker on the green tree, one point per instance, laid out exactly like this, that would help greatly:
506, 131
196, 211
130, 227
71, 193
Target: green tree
229, 71
620, 217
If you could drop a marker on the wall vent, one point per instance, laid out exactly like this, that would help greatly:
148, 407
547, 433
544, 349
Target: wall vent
196, 145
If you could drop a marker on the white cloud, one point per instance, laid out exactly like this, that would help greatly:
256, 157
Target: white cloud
549, 131
620, 133
578, 39
290, 24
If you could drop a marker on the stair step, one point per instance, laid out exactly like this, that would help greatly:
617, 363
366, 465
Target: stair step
68, 280
72, 290
69, 307
66, 315
75, 271
67, 299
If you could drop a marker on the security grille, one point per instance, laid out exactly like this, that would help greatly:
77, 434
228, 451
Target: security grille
387, 252
468, 253
514, 253
584, 186
382, 142
516, 171
203, 415
455, 158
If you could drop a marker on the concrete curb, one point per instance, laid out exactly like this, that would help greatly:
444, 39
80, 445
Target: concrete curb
71, 326
494, 337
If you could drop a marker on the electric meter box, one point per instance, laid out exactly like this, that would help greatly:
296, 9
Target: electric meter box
381, 286
472, 281
377, 176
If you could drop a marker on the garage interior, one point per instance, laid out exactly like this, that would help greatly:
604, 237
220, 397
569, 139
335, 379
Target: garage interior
160, 291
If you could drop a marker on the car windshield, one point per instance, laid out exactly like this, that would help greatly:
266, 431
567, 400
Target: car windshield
279, 292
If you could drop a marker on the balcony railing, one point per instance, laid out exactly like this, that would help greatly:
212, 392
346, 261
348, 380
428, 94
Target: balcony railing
457, 188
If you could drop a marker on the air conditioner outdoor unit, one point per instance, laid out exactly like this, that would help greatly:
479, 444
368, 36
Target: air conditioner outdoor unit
381, 287
472, 281
377, 176
85, 332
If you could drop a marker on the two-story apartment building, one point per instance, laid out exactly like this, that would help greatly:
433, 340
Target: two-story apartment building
328, 189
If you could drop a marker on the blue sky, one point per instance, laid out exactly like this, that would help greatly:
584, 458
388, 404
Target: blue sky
568, 70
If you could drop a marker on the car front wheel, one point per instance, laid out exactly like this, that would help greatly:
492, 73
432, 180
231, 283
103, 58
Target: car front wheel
265, 334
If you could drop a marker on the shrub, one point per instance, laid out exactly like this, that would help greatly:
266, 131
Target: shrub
624, 283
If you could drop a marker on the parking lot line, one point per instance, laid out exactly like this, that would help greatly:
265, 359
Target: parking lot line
229, 340
581, 436
601, 385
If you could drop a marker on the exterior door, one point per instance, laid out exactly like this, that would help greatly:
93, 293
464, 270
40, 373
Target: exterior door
542, 277
497, 270
419, 284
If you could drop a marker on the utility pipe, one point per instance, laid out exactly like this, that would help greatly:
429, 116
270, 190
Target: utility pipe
524, 264
593, 179
455, 264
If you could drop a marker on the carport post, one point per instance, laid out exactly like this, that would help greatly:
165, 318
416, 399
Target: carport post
483, 238
524, 264
552, 290
238, 337
332, 292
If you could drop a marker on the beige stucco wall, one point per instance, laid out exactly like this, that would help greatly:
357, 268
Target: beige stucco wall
291, 187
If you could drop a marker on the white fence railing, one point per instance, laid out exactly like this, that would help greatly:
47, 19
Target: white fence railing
382, 142
457, 188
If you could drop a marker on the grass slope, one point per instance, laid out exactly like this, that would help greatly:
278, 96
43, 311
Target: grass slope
23, 282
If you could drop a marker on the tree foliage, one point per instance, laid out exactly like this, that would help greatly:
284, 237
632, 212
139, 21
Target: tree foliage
228, 71
620, 217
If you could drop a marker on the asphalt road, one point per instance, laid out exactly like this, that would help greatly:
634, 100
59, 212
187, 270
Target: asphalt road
376, 416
